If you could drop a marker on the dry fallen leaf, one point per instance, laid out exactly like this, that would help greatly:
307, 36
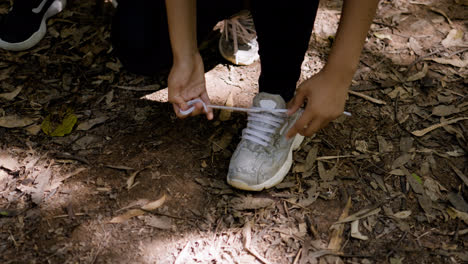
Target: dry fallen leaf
14, 121
422, 132
359, 215
454, 62
88, 124
154, 204
402, 214
355, 231
131, 179
126, 216
445, 110
311, 157
161, 222
454, 38
418, 75
11, 95
251, 203
459, 214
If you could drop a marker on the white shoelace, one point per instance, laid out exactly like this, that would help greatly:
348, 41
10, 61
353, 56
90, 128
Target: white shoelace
253, 132
241, 26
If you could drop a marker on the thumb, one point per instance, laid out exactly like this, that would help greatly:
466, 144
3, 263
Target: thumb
296, 103
180, 102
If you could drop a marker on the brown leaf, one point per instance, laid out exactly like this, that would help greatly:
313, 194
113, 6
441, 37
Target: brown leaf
161, 222
327, 175
422, 132
8, 162
355, 231
445, 110
402, 160
251, 203
154, 204
402, 214
454, 62
384, 146
415, 46
337, 234
14, 121
126, 216
459, 214
406, 143
88, 124
454, 38
11, 95
418, 75
311, 157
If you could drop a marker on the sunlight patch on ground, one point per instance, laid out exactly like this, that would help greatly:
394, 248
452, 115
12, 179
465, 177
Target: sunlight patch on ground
221, 83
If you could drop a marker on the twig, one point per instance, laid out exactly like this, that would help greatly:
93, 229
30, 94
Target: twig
152, 87
335, 157
67, 156
422, 132
371, 99
67, 215
296, 259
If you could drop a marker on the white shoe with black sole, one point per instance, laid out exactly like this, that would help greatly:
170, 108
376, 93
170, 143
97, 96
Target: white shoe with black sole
25, 25
264, 156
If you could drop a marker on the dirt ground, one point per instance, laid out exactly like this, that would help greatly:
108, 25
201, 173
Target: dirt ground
131, 183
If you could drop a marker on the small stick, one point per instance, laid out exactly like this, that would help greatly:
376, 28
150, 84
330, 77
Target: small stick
296, 259
371, 99
153, 87
422, 132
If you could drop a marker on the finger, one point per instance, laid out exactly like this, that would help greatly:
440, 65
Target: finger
313, 127
298, 127
177, 111
206, 100
296, 102
180, 102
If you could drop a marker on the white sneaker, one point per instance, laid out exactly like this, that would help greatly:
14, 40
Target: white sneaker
238, 43
264, 155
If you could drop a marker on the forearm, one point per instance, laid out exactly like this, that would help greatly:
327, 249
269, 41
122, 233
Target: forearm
356, 18
181, 16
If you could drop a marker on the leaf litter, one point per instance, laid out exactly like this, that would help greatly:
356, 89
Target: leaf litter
408, 190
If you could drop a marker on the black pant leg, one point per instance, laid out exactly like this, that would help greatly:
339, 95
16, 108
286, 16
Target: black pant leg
283, 30
140, 33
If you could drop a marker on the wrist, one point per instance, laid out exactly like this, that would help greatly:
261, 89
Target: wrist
186, 56
341, 73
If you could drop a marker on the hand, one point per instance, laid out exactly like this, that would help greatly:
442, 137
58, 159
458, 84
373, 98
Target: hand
325, 95
186, 82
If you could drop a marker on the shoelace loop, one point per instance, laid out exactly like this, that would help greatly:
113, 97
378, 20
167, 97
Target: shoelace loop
254, 131
237, 25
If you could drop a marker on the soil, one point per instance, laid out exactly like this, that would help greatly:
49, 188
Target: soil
59, 195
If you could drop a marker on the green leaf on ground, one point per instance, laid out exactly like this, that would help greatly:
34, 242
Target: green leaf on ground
62, 129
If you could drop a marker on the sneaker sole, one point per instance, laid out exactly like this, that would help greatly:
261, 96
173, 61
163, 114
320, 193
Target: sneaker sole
233, 60
278, 177
55, 8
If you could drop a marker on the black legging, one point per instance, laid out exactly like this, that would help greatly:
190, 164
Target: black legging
141, 40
